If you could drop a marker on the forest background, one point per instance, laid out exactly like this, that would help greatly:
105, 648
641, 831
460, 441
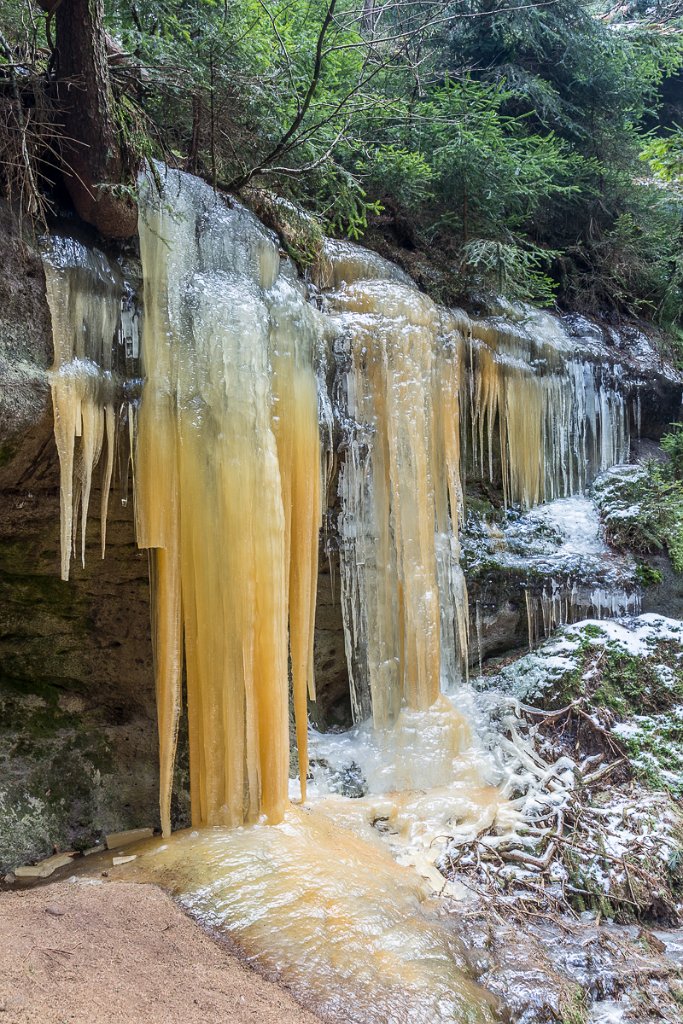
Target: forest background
534, 148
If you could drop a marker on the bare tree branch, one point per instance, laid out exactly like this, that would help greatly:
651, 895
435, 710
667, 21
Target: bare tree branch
276, 152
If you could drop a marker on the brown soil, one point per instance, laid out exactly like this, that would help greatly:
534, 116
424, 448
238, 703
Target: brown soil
83, 951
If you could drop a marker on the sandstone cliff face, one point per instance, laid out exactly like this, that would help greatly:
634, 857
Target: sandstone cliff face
77, 718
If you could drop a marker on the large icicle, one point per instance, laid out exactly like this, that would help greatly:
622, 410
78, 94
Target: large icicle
403, 592
228, 492
293, 340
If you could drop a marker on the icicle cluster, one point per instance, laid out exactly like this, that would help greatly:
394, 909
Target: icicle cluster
541, 420
562, 603
229, 470
84, 294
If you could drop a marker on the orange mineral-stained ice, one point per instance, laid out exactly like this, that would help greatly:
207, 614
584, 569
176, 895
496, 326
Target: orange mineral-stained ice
293, 336
228, 492
402, 493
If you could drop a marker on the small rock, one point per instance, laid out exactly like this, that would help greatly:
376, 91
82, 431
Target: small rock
117, 839
94, 849
123, 860
54, 911
27, 871
44, 868
349, 781
10, 878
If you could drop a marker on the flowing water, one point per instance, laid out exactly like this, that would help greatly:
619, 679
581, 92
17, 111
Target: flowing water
232, 446
338, 899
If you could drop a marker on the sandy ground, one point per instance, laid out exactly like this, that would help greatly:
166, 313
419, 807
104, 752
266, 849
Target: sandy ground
123, 953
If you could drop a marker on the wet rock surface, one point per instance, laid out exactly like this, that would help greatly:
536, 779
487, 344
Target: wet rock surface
332, 707
25, 341
584, 969
77, 712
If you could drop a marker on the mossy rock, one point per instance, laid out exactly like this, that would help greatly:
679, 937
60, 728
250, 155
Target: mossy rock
300, 234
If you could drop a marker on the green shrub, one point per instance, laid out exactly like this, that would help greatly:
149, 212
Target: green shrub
647, 575
514, 270
404, 175
672, 444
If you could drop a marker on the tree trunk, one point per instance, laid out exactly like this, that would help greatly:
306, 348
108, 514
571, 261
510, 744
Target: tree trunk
94, 163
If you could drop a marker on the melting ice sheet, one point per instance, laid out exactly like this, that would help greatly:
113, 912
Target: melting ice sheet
352, 933
572, 573
564, 536
412, 785
337, 900
577, 525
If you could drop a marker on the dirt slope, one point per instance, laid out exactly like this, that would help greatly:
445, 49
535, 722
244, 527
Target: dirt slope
119, 953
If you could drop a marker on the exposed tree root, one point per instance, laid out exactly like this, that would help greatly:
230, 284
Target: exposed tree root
576, 844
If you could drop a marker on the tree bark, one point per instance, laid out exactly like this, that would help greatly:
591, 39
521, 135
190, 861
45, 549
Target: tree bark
95, 165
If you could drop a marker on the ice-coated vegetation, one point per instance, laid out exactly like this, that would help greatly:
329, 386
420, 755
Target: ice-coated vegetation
627, 674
